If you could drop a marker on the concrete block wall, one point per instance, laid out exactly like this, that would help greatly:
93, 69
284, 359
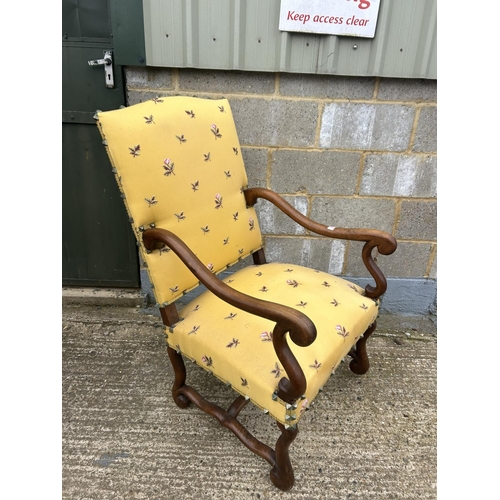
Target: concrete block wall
346, 151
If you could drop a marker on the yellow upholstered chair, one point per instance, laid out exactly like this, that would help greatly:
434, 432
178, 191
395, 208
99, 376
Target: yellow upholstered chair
274, 332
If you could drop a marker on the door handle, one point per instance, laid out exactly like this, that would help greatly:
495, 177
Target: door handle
107, 62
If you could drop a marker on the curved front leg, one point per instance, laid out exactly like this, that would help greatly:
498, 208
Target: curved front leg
282, 472
180, 378
360, 363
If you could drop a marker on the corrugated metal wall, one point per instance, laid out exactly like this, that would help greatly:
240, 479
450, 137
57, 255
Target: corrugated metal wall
244, 35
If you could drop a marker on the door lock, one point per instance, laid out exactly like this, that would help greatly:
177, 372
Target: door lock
107, 62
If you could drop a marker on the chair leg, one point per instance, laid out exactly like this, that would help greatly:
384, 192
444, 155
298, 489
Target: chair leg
282, 473
180, 378
360, 363
170, 316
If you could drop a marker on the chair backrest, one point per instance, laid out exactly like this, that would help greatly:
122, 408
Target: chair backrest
178, 164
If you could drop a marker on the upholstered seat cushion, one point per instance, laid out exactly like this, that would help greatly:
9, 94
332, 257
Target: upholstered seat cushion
237, 346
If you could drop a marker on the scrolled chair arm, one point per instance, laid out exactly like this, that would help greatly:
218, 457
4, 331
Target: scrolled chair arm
384, 242
301, 329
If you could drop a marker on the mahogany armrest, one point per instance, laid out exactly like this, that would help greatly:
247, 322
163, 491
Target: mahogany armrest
383, 241
301, 329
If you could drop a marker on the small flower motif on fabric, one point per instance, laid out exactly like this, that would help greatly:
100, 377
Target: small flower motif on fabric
244, 382
235, 150
293, 283
264, 289
364, 307
334, 302
151, 201
168, 166
233, 343
240, 251
302, 304
205, 229
195, 185
342, 331
164, 249
157, 100
135, 151
231, 316
207, 360
227, 173
181, 138
190, 113
196, 308
288, 270
315, 365
180, 216
221, 109
251, 224
235, 216
258, 274
215, 131
326, 284
303, 406
175, 289
266, 336
149, 119
194, 330
277, 370
206, 157
353, 287
226, 241
218, 201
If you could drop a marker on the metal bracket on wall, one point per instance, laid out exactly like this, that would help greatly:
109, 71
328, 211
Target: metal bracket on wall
107, 62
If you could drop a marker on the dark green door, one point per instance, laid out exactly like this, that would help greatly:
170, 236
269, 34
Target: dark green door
98, 244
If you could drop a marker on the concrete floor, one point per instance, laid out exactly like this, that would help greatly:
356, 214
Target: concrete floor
368, 437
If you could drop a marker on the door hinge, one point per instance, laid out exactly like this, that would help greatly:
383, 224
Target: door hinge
107, 62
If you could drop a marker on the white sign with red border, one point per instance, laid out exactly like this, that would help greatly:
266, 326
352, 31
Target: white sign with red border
331, 17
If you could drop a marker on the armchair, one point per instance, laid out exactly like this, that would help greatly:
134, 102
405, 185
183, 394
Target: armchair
274, 332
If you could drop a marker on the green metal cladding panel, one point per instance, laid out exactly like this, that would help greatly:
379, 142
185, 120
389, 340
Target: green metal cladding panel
244, 35
128, 32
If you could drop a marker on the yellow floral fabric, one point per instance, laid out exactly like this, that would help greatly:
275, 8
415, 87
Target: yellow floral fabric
237, 346
178, 164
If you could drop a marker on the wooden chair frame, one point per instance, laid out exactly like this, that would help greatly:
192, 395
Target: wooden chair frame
300, 328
